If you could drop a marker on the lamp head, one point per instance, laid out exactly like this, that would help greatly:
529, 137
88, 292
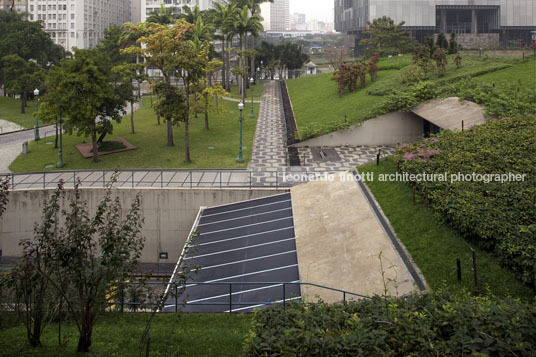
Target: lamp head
251, 80
241, 106
36, 92
258, 69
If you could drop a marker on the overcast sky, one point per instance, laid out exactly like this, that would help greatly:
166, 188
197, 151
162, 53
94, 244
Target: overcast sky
314, 9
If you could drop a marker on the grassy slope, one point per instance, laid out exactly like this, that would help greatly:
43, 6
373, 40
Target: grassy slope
316, 101
433, 245
524, 74
119, 335
318, 106
10, 110
151, 142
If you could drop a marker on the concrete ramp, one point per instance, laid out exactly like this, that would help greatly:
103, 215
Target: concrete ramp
449, 113
341, 242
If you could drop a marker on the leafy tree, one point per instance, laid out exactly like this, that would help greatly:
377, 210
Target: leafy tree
245, 23
222, 18
291, 57
191, 15
90, 253
373, 67
458, 61
442, 41
164, 16
453, 45
81, 92
422, 58
386, 37
27, 40
129, 73
429, 41
440, 56
21, 76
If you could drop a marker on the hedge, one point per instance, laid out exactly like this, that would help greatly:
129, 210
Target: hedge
436, 324
500, 217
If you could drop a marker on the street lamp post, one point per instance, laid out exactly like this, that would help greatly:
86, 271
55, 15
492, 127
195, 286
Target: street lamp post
252, 81
240, 158
36, 136
60, 163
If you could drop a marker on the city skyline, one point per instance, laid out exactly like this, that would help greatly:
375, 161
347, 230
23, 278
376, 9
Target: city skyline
321, 10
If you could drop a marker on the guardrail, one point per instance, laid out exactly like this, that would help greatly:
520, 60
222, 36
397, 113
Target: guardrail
119, 301
161, 178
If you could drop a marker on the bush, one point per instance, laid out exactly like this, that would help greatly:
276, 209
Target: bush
498, 216
412, 74
437, 324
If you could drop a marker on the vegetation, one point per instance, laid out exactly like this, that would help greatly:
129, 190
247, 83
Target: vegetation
496, 213
216, 148
4, 192
282, 57
435, 246
436, 324
74, 258
118, 334
319, 110
10, 110
386, 38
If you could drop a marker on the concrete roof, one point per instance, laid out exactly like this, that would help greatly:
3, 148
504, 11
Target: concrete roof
450, 112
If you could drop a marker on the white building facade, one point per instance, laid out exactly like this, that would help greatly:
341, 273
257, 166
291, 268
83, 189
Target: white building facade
148, 6
276, 15
79, 23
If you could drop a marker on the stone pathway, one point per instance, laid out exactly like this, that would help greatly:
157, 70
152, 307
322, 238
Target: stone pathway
269, 152
269, 146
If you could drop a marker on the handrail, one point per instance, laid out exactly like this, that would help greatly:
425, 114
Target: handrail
229, 303
156, 178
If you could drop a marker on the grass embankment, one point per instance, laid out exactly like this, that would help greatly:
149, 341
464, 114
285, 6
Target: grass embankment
319, 109
215, 148
119, 335
433, 245
10, 111
257, 91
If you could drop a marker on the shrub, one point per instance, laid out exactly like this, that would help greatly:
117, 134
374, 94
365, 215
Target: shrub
436, 324
498, 216
412, 74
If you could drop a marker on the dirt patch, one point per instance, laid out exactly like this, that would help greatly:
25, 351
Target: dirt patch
85, 149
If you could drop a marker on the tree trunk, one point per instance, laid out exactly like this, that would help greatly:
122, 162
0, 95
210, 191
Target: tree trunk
252, 63
23, 102
187, 159
84, 341
158, 119
224, 70
95, 149
228, 70
206, 112
132, 117
244, 76
170, 134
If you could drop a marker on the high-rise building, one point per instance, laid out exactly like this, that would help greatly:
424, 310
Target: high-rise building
78, 23
298, 22
477, 23
148, 6
135, 11
15, 5
276, 15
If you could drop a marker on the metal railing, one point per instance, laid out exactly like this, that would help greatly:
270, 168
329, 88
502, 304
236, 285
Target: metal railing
119, 301
230, 178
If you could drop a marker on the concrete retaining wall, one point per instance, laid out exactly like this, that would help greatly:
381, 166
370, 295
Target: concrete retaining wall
389, 129
169, 215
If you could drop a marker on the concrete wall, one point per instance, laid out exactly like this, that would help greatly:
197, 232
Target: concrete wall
484, 40
169, 215
388, 129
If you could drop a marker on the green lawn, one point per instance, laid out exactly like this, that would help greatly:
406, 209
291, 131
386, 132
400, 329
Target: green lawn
10, 110
258, 88
524, 74
318, 109
433, 245
119, 334
216, 148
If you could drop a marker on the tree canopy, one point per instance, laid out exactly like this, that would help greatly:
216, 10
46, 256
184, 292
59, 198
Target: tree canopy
386, 37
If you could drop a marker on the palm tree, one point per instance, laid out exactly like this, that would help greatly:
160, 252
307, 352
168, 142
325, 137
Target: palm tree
191, 15
245, 23
164, 16
222, 17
